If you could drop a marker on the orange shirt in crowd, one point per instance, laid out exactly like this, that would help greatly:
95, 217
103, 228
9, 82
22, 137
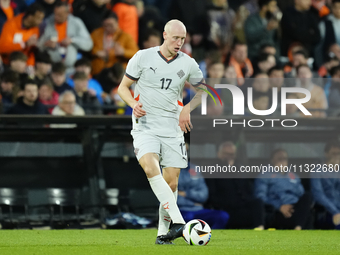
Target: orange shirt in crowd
238, 68
127, 19
61, 30
123, 39
14, 38
9, 12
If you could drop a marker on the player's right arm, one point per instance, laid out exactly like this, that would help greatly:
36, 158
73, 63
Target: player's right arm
125, 94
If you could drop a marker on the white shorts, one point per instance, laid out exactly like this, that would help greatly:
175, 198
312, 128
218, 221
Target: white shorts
170, 150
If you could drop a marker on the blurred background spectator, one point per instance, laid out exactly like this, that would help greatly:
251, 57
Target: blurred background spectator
111, 45
285, 193
192, 194
67, 105
7, 11
318, 97
43, 66
91, 12
299, 25
28, 103
64, 35
235, 196
85, 97
241, 63
58, 76
325, 187
47, 95
21, 33
262, 27
127, 17
84, 65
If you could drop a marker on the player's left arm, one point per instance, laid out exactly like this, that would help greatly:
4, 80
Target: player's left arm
184, 118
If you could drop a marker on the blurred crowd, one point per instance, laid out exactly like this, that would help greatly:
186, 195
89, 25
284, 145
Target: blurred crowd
279, 200
67, 57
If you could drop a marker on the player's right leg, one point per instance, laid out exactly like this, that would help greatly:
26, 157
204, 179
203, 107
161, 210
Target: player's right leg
150, 164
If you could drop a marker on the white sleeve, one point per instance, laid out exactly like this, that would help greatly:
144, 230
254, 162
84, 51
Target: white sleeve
195, 72
133, 69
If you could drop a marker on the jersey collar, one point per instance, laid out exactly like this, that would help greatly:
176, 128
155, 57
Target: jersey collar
165, 59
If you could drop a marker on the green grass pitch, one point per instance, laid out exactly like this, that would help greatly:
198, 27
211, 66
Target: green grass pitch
117, 242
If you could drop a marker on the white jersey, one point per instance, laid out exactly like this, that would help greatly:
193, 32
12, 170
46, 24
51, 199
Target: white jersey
159, 86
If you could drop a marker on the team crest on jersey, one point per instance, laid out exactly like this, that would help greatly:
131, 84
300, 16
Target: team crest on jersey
181, 74
136, 151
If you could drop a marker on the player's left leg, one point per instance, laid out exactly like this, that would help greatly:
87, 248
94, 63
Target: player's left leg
170, 175
173, 158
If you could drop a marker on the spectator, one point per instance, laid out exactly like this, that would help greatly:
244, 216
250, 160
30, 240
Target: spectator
161, 5
319, 9
17, 62
47, 95
268, 48
215, 75
261, 83
43, 65
235, 196
7, 12
329, 28
28, 104
151, 20
9, 81
64, 35
299, 25
334, 90
334, 50
285, 193
91, 12
242, 14
262, 27
264, 62
324, 70
210, 57
221, 19
152, 38
276, 80
195, 20
111, 45
192, 194
59, 78
318, 98
48, 6
84, 65
111, 77
127, 17
260, 101
67, 106
325, 186
291, 109
230, 75
85, 98
239, 60
299, 57
21, 33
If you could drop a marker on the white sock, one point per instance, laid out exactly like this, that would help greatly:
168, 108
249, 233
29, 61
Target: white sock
166, 197
164, 219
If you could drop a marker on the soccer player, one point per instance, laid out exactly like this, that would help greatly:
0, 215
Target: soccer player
159, 119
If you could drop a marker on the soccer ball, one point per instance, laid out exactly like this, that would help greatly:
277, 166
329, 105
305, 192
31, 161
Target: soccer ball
197, 232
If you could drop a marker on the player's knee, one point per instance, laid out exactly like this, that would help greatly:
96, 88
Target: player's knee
150, 171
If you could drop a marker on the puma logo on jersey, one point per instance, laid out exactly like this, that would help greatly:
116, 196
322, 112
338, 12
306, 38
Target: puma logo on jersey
154, 70
181, 74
